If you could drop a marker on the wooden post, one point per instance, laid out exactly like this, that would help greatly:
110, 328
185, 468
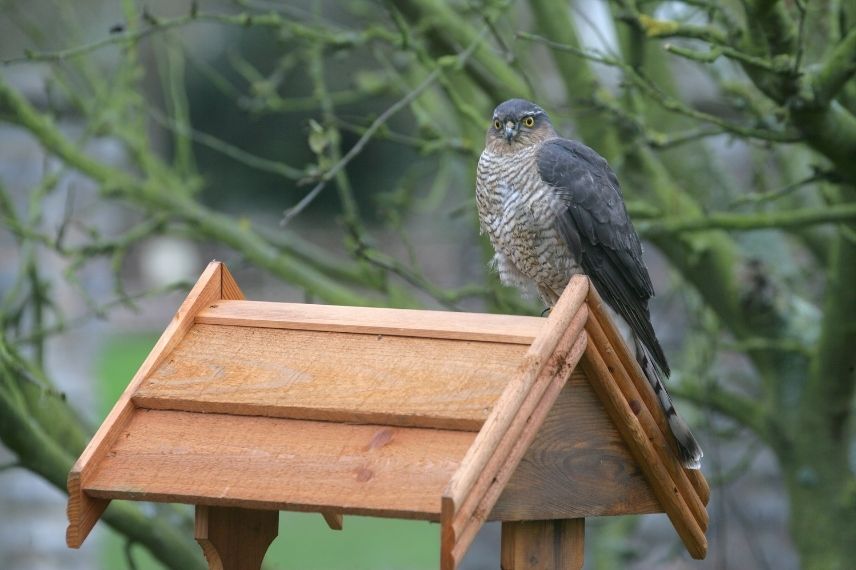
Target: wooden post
233, 538
543, 545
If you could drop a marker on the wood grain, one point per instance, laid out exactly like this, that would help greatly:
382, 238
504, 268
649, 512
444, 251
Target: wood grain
561, 366
336, 521
562, 316
84, 511
270, 463
577, 466
467, 524
596, 306
655, 436
366, 320
233, 538
229, 290
640, 446
341, 377
543, 545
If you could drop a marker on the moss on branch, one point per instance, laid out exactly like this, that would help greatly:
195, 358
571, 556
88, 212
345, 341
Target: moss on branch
836, 70
174, 202
782, 219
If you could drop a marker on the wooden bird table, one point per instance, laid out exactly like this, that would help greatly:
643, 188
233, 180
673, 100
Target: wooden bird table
247, 408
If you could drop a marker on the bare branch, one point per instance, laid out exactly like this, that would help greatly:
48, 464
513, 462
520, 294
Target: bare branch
176, 202
654, 28
739, 408
664, 99
226, 149
845, 213
448, 62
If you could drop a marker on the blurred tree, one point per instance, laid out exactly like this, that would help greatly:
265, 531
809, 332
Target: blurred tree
671, 92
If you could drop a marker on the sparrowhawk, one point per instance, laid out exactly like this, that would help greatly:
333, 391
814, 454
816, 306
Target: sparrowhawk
552, 208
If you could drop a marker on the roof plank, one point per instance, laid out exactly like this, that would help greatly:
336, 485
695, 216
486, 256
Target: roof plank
511, 450
646, 392
83, 511
518, 389
346, 377
665, 453
272, 463
371, 320
642, 449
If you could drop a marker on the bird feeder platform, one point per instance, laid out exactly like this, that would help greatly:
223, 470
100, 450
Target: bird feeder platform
247, 408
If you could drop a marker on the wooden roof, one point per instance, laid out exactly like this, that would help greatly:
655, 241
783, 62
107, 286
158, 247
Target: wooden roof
451, 417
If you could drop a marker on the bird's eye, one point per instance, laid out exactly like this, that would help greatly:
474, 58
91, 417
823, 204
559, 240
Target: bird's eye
529, 121
497, 125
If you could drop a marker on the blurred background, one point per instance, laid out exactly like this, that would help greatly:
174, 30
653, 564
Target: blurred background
326, 152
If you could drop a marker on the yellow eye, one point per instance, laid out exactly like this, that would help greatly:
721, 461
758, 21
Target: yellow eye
497, 125
529, 122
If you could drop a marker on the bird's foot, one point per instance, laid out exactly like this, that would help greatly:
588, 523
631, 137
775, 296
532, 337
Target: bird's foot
546, 311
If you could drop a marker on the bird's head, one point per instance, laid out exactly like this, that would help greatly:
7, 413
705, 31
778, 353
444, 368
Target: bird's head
516, 124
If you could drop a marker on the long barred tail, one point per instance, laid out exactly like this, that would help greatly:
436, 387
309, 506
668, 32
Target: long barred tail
688, 448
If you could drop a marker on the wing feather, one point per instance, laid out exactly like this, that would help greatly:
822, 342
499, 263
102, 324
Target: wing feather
594, 221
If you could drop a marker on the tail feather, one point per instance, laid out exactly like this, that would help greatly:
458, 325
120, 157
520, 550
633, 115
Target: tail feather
688, 448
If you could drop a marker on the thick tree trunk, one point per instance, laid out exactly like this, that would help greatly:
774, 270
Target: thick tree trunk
823, 509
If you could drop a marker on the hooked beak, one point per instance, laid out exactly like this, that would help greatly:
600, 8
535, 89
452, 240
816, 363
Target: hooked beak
510, 131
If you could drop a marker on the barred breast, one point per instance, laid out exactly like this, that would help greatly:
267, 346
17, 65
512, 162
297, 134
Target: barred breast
518, 212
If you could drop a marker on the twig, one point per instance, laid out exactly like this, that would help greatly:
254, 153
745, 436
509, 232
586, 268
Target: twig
664, 99
781, 65
233, 152
763, 197
425, 146
155, 26
768, 344
448, 61
332, 150
71, 323
448, 299
654, 28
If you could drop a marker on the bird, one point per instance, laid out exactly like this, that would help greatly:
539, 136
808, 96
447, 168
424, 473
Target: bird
553, 208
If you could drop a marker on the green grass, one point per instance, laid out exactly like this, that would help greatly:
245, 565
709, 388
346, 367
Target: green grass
305, 542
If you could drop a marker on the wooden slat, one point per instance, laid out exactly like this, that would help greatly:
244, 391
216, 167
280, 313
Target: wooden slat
578, 466
561, 364
468, 522
513, 396
83, 511
660, 443
343, 377
234, 538
229, 290
543, 545
640, 446
596, 306
268, 463
336, 521
367, 320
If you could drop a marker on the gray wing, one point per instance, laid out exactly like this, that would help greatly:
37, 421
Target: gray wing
595, 223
